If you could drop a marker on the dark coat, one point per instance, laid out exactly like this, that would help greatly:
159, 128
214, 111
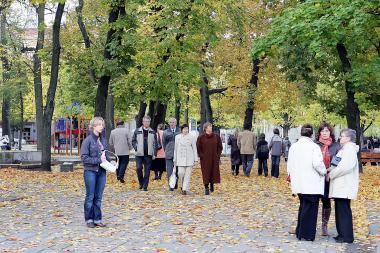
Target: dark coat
235, 151
262, 155
90, 152
209, 151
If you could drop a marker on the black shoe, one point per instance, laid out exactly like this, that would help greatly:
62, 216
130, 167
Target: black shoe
266, 175
101, 225
211, 187
341, 240
207, 191
90, 225
122, 181
145, 189
171, 189
184, 193
176, 186
140, 188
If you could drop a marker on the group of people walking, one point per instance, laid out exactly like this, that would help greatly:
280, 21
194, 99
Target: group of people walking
317, 169
244, 147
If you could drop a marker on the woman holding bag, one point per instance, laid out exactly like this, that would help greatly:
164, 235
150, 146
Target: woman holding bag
185, 156
92, 155
158, 164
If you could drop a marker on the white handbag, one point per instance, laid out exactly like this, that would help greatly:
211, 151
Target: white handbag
173, 178
108, 166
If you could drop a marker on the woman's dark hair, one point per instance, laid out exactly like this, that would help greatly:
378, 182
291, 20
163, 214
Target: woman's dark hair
160, 126
307, 130
120, 123
262, 137
321, 127
184, 126
276, 131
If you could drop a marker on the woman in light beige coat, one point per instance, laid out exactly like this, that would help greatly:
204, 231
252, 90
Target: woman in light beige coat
344, 184
185, 156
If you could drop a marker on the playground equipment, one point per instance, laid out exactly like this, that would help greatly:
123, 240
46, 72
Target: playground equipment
70, 131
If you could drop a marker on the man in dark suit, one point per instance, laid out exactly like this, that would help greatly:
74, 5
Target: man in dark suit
168, 144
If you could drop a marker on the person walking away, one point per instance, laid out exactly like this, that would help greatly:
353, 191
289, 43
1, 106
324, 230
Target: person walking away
276, 150
286, 146
185, 157
144, 143
235, 153
247, 145
121, 142
306, 171
92, 155
158, 165
344, 185
209, 146
168, 142
325, 139
262, 154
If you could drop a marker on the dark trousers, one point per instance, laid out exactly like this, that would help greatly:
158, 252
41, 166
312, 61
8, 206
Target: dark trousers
263, 164
123, 164
143, 162
275, 171
95, 182
247, 161
235, 169
326, 202
343, 219
307, 216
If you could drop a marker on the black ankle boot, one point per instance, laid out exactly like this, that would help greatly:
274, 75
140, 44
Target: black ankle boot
207, 190
211, 187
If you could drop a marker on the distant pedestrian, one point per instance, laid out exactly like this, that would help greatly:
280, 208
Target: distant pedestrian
210, 148
168, 142
247, 145
121, 140
144, 143
276, 150
235, 153
286, 147
262, 154
158, 164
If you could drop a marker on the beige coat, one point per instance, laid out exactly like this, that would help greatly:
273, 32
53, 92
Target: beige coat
185, 150
344, 179
247, 142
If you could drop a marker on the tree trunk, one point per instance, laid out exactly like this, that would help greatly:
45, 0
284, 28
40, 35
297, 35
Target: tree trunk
251, 93
159, 114
103, 83
151, 108
186, 116
21, 120
86, 38
352, 108
5, 110
110, 116
37, 79
49, 108
178, 111
139, 117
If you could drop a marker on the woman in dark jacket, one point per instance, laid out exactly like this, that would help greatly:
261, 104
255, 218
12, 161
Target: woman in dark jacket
235, 153
209, 146
325, 138
92, 155
262, 154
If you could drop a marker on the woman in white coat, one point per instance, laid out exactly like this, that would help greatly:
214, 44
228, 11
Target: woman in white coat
306, 170
185, 156
344, 185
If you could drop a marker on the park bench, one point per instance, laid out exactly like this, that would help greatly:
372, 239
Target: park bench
368, 157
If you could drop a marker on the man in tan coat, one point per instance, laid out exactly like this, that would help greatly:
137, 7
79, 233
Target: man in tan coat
247, 145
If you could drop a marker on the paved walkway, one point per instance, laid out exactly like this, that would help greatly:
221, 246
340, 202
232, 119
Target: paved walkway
43, 212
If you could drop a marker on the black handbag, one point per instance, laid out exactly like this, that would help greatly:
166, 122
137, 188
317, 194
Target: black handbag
335, 161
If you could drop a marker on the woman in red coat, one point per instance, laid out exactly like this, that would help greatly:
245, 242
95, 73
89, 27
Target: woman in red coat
210, 148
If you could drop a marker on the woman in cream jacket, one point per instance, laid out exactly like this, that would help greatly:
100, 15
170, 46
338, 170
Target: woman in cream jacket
344, 185
185, 156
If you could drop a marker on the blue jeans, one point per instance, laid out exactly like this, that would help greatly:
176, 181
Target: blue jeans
247, 161
263, 164
275, 171
95, 182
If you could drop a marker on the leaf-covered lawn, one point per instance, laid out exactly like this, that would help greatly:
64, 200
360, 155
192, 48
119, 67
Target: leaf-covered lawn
43, 212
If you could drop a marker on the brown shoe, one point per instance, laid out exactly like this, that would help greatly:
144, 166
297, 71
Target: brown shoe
325, 220
100, 225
